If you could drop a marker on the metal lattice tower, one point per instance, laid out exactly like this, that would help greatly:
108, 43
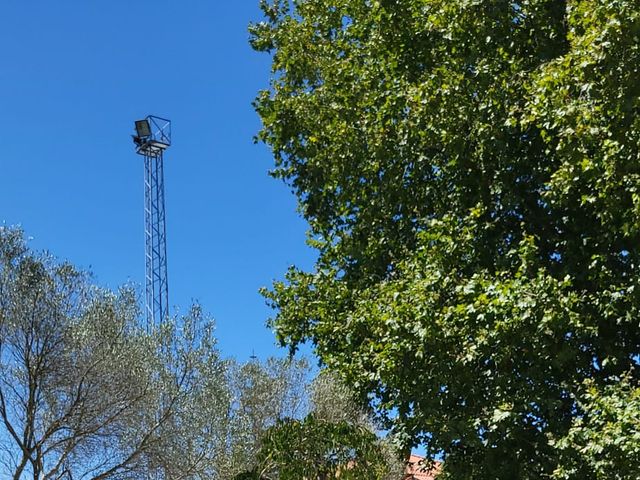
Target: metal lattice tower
153, 137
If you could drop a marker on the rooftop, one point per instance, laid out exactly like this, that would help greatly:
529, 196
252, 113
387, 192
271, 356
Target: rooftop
417, 471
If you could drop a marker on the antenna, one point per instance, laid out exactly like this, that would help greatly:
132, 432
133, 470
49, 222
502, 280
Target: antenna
152, 138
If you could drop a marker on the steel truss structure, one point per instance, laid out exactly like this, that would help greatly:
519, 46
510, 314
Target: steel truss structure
153, 137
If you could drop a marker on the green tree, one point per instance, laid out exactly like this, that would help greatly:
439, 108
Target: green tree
604, 443
333, 439
470, 173
312, 449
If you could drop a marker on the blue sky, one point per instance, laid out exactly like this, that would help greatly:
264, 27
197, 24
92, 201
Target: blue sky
74, 77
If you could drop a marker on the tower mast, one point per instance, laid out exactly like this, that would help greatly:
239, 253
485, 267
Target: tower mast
153, 137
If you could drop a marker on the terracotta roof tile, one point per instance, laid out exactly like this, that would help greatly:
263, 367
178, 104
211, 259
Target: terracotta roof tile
415, 471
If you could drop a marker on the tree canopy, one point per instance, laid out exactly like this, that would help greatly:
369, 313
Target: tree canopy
470, 174
604, 442
319, 450
87, 392
334, 439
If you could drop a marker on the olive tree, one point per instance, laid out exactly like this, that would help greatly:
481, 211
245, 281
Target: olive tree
264, 393
86, 392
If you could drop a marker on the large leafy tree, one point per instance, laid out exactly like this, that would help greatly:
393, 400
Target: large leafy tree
470, 173
604, 443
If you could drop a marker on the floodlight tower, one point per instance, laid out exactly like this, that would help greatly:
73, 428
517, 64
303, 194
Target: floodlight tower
152, 138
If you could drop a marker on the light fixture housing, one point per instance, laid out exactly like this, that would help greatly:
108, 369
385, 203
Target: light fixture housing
143, 129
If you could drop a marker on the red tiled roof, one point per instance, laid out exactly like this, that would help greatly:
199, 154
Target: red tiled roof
416, 471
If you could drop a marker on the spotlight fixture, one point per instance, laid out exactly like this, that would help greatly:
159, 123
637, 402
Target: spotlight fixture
143, 129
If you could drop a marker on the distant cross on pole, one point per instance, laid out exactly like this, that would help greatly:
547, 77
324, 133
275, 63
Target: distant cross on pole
152, 138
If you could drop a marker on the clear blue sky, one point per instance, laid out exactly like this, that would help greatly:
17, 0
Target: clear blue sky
73, 78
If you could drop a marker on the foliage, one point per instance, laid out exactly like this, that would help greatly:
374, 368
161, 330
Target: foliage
316, 449
192, 399
85, 392
319, 433
264, 393
334, 402
605, 443
471, 176
331, 400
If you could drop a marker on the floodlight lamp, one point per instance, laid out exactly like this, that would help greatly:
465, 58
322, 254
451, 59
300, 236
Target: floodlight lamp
143, 129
